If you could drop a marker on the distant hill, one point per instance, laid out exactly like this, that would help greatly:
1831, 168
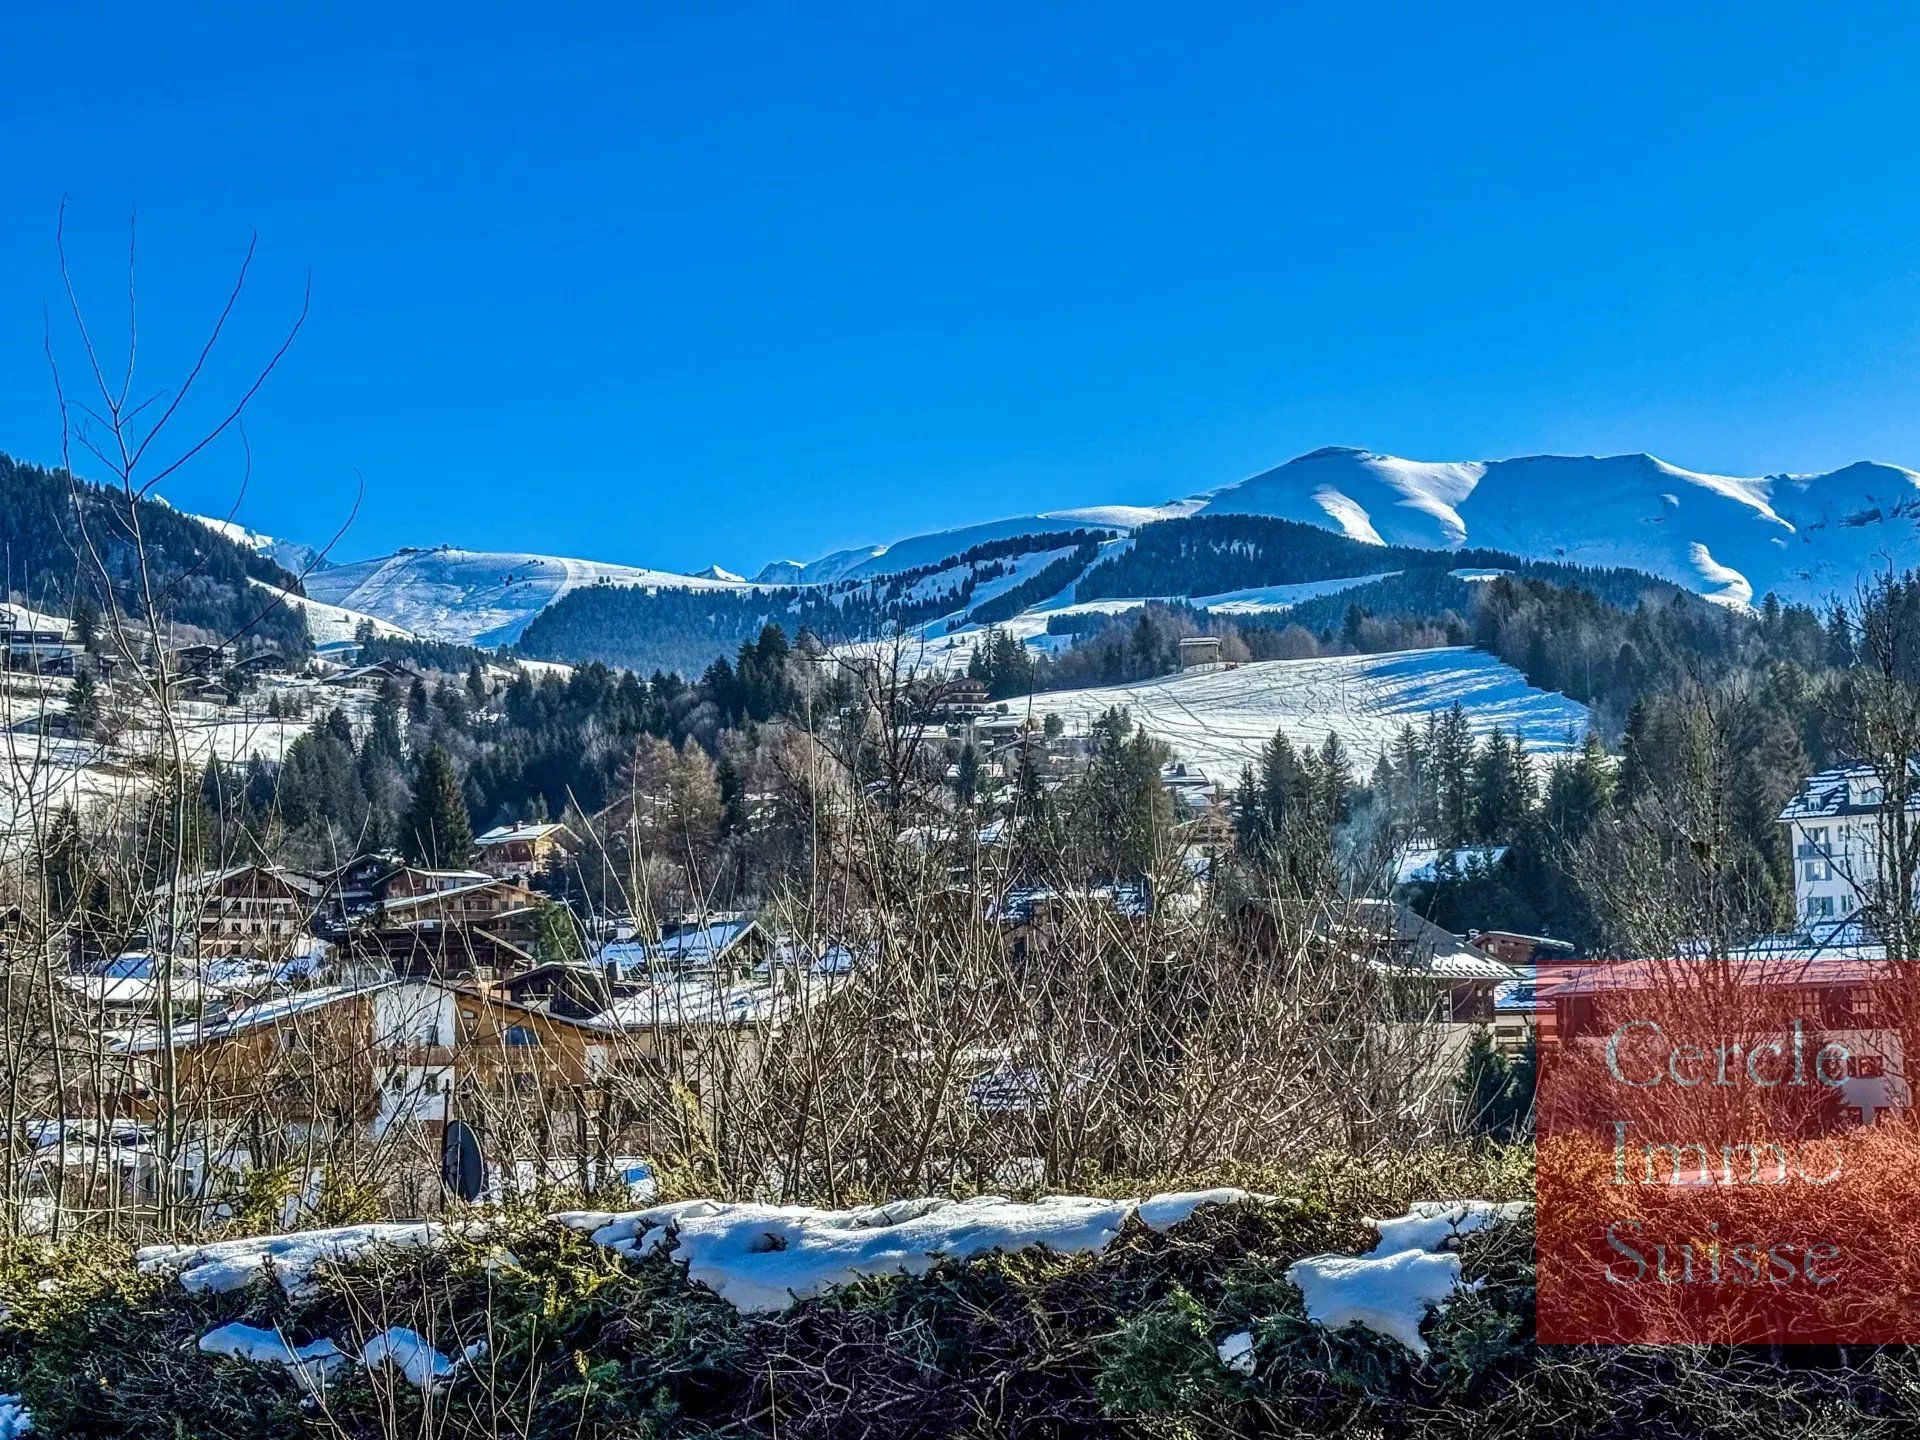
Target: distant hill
51, 526
477, 597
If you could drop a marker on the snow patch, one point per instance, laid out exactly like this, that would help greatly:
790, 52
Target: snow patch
311, 1363
289, 1260
1388, 1294
1429, 1224
1236, 1352
765, 1257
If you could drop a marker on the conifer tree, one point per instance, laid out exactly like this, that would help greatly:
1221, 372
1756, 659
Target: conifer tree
437, 832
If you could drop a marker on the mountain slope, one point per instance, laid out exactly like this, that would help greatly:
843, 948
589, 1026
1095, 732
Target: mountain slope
477, 597
1219, 719
1731, 538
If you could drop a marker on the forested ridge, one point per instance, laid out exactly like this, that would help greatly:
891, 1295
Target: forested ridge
52, 525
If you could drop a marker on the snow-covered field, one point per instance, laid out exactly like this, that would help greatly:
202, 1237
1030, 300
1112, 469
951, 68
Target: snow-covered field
1219, 719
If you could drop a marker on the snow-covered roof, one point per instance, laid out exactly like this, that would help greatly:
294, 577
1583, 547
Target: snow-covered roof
1843, 790
146, 1038
691, 947
527, 831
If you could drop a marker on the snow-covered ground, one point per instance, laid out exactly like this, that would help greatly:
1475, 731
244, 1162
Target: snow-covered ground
1219, 719
476, 597
333, 625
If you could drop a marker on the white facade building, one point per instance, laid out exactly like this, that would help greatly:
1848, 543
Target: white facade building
1834, 825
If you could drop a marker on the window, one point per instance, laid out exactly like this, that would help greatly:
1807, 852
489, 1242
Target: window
1819, 907
521, 1035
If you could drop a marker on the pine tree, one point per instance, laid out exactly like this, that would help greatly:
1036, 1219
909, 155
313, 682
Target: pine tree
1453, 777
83, 704
966, 778
437, 832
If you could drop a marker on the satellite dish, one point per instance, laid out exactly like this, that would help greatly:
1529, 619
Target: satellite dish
462, 1170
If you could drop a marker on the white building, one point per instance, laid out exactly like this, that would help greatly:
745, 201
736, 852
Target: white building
1834, 825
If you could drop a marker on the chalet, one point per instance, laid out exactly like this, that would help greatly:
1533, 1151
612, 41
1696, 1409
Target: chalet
1518, 949
1199, 652
726, 942
351, 893
960, 696
451, 923
568, 988
256, 910
1448, 981
1853, 998
374, 676
198, 660
518, 852
380, 1056
1208, 831
38, 643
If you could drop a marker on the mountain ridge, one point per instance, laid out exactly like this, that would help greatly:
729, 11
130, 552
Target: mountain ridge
1806, 537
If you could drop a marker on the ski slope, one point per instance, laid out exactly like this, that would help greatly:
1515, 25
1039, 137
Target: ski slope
332, 625
476, 597
1220, 718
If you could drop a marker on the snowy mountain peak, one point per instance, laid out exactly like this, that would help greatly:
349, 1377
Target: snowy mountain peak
714, 572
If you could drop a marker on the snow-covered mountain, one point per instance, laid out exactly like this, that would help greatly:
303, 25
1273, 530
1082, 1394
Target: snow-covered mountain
1732, 538
289, 555
476, 597
1729, 537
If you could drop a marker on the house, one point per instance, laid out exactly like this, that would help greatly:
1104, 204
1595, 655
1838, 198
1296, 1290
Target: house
1850, 998
378, 1057
39, 643
374, 676
1448, 981
960, 696
202, 661
1199, 652
1518, 949
730, 942
1835, 825
569, 988
517, 852
450, 923
256, 910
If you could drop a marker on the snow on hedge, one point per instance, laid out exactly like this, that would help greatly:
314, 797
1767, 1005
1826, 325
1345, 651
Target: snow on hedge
311, 1363
1391, 1289
408, 1352
289, 1259
1429, 1224
1389, 1294
765, 1257
15, 1419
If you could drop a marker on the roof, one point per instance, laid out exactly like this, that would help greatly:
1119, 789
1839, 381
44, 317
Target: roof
1425, 948
146, 1038
1785, 968
207, 879
508, 834
692, 946
1833, 792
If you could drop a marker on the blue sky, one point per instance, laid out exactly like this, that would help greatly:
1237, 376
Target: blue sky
675, 285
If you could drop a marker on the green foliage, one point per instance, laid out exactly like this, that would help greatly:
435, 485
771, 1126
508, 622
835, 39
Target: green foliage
437, 832
1162, 1362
